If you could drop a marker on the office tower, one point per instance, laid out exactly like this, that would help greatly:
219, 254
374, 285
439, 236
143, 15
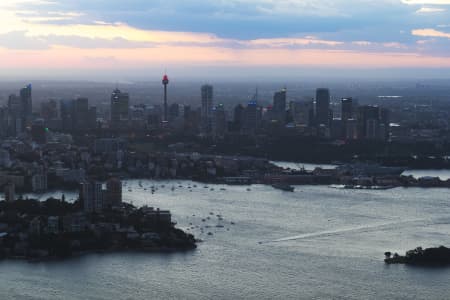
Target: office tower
15, 106
238, 117
368, 122
113, 192
165, 82
39, 131
92, 118
15, 120
91, 196
4, 115
279, 106
49, 110
346, 109
66, 108
302, 112
120, 103
10, 192
207, 107
279, 101
351, 129
192, 119
385, 123
219, 120
253, 115
27, 104
323, 106
81, 113
174, 111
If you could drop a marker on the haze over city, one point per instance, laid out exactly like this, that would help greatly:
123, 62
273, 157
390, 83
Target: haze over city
138, 39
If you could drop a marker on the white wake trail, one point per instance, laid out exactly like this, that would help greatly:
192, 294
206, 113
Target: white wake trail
363, 228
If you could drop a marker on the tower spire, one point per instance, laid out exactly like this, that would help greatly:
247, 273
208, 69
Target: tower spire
165, 82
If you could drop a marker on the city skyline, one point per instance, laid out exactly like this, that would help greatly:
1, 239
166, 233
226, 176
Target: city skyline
63, 39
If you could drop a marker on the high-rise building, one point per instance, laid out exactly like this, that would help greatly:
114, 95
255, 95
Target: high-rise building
66, 112
207, 108
39, 182
346, 109
15, 120
15, 105
302, 112
279, 101
165, 82
49, 110
4, 115
10, 192
323, 106
279, 106
174, 111
113, 193
120, 103
253, 116
351, 129
368, 122
91, 196
39, 131
27, 103
219, 120
238, 117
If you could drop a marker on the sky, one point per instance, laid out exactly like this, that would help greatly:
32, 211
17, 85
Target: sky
88, 39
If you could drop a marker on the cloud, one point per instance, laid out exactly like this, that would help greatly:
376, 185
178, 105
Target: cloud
427, 2
429, 32
362, 43
427, 10
112, 33
19, 40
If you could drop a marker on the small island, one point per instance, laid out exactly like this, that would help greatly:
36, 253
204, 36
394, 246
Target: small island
52, 229
439, 256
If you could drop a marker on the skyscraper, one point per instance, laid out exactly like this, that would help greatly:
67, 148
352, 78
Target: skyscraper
219, 120
113, 192
27, 104
323, 106
10, 192
346, 109
165, 82
279, 101
279, 106
207, 108
120, 103
252, 117
81, 113
238, 117
368, 122
91, 196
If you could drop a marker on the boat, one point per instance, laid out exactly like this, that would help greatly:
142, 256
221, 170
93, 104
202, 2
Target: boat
283, 187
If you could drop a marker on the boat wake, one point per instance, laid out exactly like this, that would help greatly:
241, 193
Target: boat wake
362, 229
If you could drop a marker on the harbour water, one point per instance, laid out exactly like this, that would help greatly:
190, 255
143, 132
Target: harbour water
317, 242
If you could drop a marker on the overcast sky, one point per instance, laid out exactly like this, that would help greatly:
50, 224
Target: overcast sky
85, 39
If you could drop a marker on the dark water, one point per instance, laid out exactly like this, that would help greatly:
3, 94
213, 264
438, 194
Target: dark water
317, 242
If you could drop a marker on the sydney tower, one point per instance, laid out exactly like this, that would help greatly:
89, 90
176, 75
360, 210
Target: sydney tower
165, 82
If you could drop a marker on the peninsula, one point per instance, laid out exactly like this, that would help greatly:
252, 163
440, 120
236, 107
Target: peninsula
35, 230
